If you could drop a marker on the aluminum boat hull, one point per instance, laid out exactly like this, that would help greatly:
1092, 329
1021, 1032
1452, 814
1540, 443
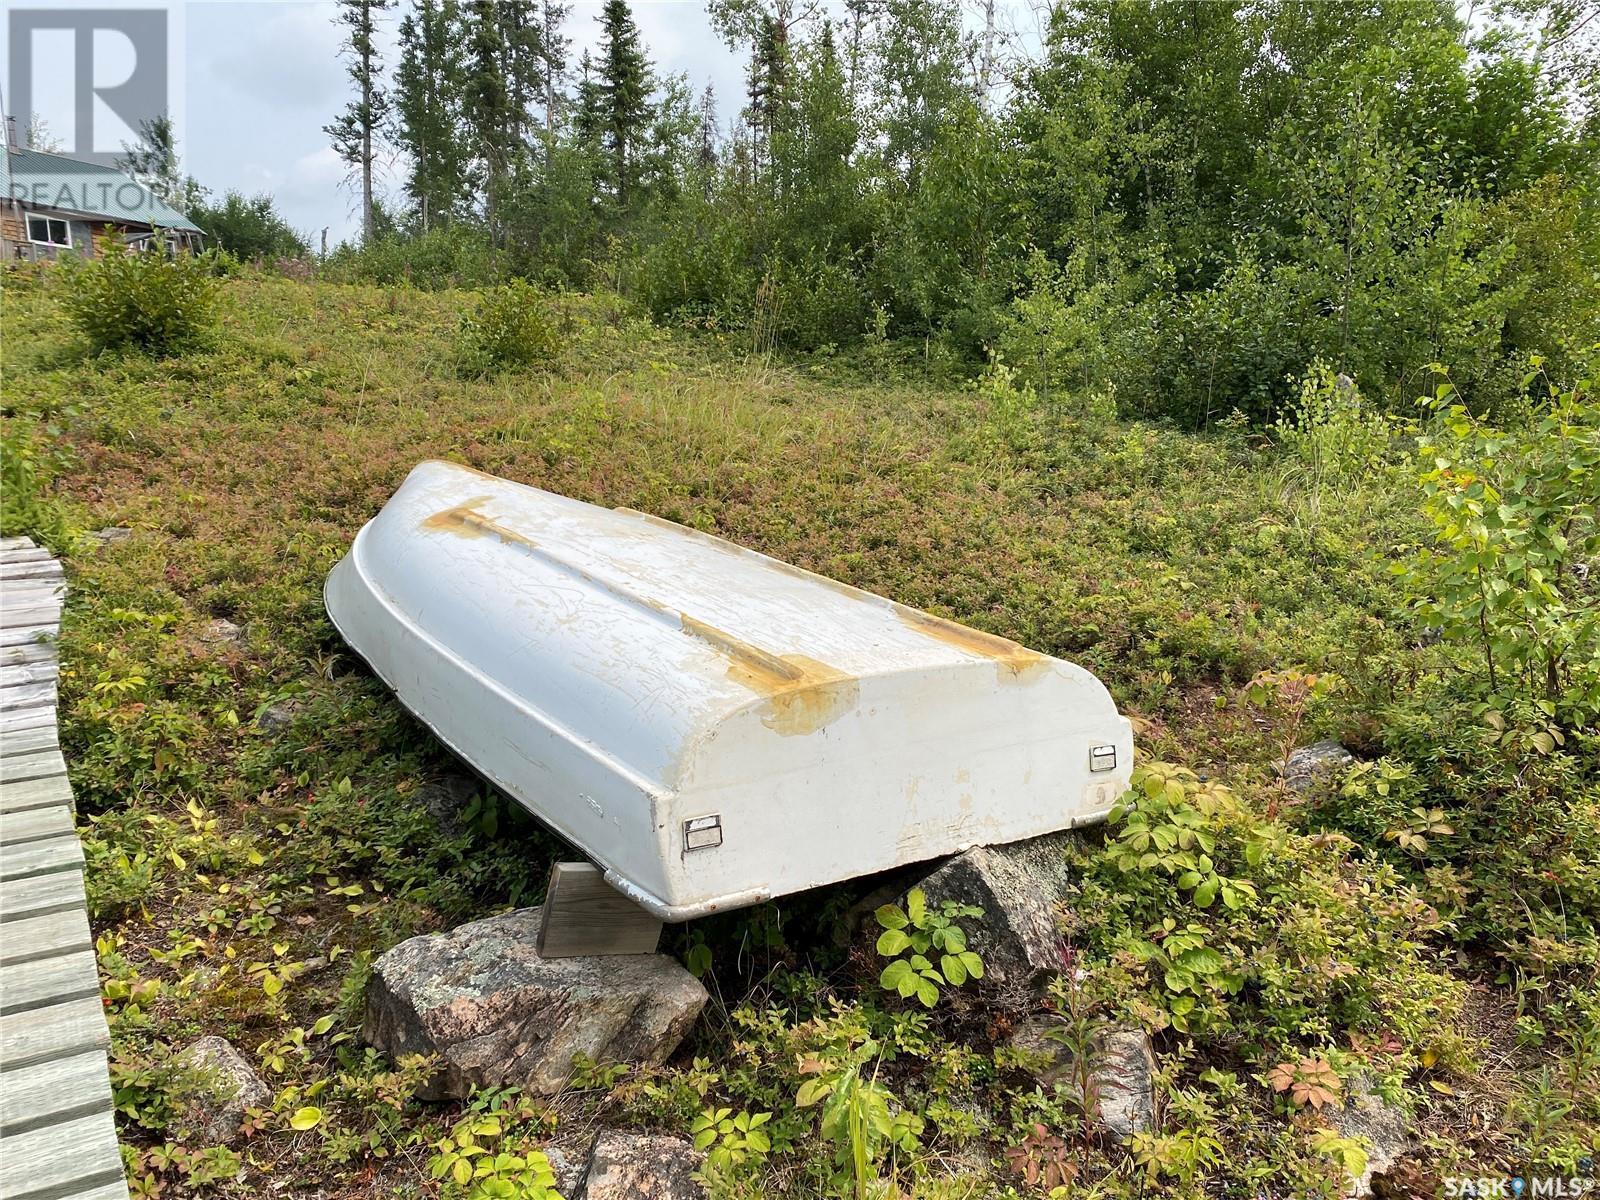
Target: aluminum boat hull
711, 726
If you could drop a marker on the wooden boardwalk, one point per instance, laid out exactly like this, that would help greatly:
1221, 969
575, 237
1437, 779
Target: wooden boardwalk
57, 1137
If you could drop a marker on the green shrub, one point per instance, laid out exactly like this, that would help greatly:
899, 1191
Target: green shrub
453, 256
31, 456
1335, 438
509, 330
142, 300
1513, 514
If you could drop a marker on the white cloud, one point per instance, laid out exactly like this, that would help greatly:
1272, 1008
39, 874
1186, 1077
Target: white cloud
286, 55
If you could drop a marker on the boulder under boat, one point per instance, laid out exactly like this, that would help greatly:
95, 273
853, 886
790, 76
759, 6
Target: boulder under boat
713, 727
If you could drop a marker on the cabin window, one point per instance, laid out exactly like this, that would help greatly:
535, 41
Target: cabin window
49, 231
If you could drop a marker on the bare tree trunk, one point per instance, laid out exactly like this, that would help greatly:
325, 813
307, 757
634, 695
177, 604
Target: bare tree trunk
986, 72
366, 134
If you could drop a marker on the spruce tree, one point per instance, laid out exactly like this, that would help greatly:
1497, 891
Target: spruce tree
522, 66
625, 86
429, 99
356, 130
488, 103
705, 157
554, 44
768, 86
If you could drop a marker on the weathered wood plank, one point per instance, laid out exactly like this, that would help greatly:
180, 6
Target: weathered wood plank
40, 858
44, 671
30, 652
49, 981
36, 572
28, 718
35, 824
27, 695
17, 542
58, 1139
30, 616
25, 579
39, 764
35, 793
583, 914
116, 1190
24, 554
34, 938
56, 1030
52, 1092
24, 898
30, 634
29, 741
32, 593
34, 1167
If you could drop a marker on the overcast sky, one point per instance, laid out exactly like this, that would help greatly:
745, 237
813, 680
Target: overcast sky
264, 77
256, 80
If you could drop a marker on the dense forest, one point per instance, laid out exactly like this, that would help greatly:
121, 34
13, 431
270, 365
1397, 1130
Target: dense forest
1180, 206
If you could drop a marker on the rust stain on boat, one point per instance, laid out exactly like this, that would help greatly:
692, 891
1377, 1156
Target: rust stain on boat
464, 520
803, 695
1014, 662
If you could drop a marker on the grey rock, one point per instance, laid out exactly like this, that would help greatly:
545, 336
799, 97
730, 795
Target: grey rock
275, 718
1312, 765
1019, 886
218, 1085
568, 1167
1384, 1128
1125, 1070
447, 798
637, 1166
220, 629
1122, 1071
495, 1013
109, 535
1048, 1059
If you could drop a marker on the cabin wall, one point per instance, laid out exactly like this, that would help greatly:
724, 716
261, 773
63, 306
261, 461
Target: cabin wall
12, 230
15, 243
84, 232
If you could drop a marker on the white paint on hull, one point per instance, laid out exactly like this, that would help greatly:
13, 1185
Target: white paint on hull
628, 679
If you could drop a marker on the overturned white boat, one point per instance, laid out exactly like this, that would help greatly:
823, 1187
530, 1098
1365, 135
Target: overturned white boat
712, 726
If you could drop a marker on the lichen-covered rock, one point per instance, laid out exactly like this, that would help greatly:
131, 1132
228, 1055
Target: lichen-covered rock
636, 1166
1384, 1128
220, 629
217, 1085
1019, 886
109, 535
495, 1013
1314, 764
1125, 1072
275, 718
446, 799
1122, 1071
568, 1168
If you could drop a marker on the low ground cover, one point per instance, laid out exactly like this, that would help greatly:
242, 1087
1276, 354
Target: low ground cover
250, 795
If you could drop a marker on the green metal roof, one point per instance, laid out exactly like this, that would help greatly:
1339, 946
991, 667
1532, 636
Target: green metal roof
46, 180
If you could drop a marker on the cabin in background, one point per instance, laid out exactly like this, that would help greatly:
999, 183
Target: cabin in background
54, 202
